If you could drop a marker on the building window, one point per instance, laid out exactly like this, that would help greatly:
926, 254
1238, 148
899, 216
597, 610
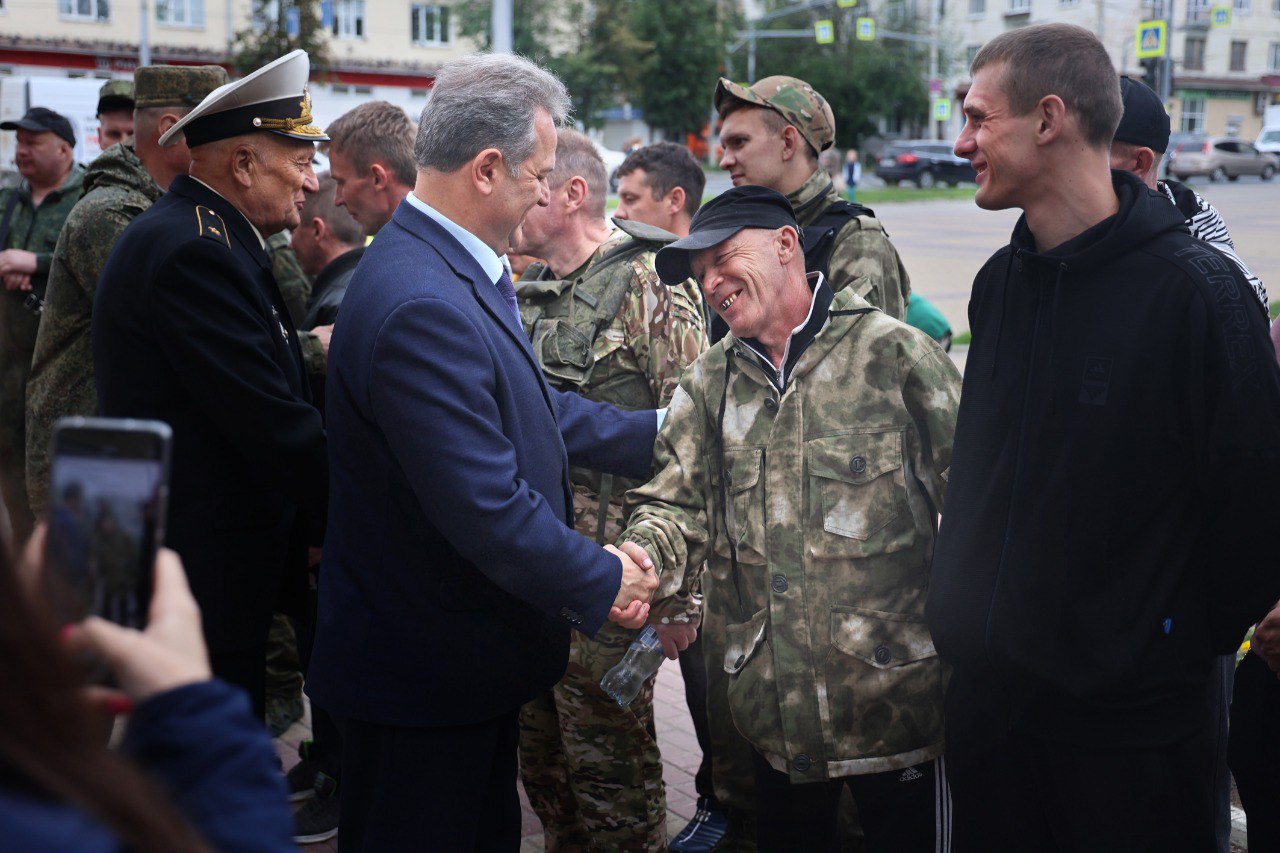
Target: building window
348, 19
1273, 57
1018, 7
979, 7
1244, 7
180, 13
1192, 120
1068, 4
1198, 11
970, 54
85, 10
429, 25
1193, 59
1237, 55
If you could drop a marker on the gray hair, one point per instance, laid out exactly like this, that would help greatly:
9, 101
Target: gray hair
486, 100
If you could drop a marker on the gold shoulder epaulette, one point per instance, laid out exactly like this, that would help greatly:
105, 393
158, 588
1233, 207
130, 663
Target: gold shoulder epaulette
211, 225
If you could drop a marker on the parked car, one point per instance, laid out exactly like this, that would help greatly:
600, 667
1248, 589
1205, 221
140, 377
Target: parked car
1177, 142
1222, 157
612, 160
924, 162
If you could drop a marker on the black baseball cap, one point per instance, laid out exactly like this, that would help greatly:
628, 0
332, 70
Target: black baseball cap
1145, 121
43, 120
718, 220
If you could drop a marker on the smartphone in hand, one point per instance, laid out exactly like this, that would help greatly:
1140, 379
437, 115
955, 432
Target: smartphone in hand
109, 487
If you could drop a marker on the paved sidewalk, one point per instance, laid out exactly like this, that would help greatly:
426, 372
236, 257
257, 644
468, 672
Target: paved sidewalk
680, 758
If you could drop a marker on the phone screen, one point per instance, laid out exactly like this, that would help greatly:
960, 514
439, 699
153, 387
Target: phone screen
107, 491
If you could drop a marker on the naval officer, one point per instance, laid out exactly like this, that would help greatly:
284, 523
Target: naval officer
189, 328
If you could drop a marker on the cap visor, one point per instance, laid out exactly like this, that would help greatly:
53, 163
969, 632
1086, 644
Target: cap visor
673, 260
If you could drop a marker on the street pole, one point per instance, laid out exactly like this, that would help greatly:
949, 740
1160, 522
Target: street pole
933, 66
751, 53
1166, 61
500, 22
144, 35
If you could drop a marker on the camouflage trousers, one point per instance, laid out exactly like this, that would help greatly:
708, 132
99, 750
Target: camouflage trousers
591, 768
18, 327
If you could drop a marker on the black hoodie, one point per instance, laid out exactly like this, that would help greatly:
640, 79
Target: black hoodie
1113, 485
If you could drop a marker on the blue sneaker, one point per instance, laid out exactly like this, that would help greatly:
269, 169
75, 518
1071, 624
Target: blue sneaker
701, 834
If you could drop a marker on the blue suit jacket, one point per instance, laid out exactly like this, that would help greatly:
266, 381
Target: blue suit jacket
451, 572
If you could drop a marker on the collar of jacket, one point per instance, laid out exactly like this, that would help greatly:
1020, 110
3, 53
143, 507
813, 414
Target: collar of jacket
73, 182
812, 197
191, 189
798, 345
335, 268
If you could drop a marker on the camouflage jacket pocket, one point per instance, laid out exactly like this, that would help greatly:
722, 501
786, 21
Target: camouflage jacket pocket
885, 684
743, 519
858, 494
753, 688
563, 351
742, 641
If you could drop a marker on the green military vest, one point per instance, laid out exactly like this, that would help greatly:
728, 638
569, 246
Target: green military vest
563, 317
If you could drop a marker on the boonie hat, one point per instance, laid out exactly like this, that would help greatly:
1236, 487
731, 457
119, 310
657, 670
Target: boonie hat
175, 85
1144, 121
43, 120
115, 95
790, 97
274, 98
718, 220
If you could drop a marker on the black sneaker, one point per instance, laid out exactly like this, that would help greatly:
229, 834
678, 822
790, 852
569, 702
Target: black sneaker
301, 778
317, 820
701, 834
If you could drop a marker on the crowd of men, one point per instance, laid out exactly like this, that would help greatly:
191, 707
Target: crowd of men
453, 435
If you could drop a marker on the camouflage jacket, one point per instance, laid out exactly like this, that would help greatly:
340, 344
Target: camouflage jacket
657, 332
831, 492
295, 287
117, 188
862, 255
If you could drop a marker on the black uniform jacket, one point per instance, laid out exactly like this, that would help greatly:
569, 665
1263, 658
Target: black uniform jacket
189, 328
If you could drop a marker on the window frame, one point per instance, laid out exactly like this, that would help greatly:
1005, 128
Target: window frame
187, 5
1243, 46
1198, 64
350, 19
1192, 120
418, 13
68, 10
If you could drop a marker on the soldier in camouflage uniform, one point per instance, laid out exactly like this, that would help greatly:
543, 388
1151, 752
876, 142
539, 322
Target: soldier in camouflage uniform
791, 111
31, 215
805, 457
604, 326
121, 183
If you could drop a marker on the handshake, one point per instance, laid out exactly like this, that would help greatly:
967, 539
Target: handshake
639, 582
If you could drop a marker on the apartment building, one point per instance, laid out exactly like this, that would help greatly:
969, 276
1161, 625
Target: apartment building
1224, 74
377, 48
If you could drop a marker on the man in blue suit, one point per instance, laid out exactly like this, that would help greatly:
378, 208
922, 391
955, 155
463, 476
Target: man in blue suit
452, 574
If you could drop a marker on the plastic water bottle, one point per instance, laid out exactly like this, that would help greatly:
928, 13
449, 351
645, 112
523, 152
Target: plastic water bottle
642, 660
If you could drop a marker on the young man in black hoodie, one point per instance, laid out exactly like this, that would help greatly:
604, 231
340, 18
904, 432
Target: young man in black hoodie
1108, 515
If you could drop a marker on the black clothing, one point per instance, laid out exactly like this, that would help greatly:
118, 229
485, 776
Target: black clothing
693, 671
1109, 508
189, 328
1254, 749
329, 288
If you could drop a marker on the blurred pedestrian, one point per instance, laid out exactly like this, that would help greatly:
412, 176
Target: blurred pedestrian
115, 112
852, 173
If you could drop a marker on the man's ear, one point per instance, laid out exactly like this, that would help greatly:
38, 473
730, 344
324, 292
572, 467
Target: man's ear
1051, 116
379, 175
165, 122
787, 241
575, 193
792, 142
485, 167
1146, 159
319, 229
674, 201
244, 164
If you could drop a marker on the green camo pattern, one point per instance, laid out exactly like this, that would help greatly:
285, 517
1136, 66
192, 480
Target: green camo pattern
862, 255
117, 189
35, 230
591, 768
832, 495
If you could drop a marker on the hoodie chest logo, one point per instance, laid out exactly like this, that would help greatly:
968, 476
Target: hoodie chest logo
1097, 380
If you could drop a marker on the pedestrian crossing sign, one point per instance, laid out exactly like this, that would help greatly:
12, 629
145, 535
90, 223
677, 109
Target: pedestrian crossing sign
941, 109
1221, 16
824, 32
866, 29
1152, 39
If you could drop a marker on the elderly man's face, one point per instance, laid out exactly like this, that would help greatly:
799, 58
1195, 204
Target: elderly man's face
743, 280
283, 179
517, 195
1000, 145
42, 157
114, 127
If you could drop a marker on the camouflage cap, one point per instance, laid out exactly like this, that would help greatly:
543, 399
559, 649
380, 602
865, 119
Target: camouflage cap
792, 98
115, 95
176, 85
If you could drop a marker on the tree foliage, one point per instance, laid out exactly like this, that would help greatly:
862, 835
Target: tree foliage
278, 27
679, 77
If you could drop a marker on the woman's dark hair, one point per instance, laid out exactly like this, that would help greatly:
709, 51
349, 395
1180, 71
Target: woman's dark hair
49, 745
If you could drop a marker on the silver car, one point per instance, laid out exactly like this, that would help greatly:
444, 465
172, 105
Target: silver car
1222, 157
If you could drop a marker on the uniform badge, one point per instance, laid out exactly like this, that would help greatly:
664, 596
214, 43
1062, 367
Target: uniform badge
284, 333
210, 225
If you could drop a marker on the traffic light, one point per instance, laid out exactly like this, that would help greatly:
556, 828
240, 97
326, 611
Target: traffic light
1151, 73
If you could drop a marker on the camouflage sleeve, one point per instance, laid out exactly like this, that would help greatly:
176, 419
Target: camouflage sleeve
668, 515
312, 353
863, 249
662, 326
932, 396
295, 286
